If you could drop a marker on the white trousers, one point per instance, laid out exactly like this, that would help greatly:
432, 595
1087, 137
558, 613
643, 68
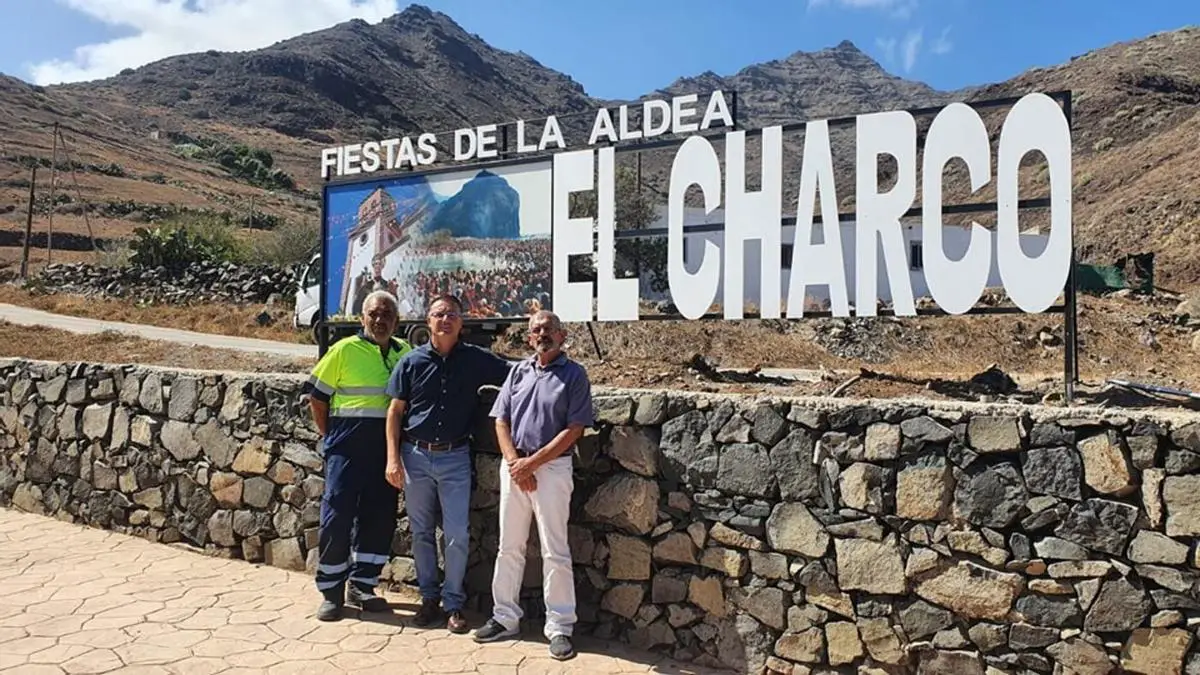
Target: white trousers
550, 505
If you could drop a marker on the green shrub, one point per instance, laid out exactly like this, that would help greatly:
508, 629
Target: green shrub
110, 169
113, 254
190, 150
290, 243
254, 165
184, 241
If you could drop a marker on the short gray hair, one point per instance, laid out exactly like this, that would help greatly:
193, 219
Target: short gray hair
555, 322
382, 296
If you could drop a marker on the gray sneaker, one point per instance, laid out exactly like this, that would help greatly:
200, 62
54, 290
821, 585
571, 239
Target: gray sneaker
329, 610
493, 630
561, 648
365, 599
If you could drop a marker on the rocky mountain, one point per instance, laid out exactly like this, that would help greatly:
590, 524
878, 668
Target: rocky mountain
486, 206
838, 81
1136, 136
415, 71
150, 138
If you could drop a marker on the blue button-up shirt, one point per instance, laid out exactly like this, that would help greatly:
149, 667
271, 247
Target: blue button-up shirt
539, 401
442, 394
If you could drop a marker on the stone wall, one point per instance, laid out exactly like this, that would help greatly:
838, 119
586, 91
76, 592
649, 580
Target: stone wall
200, 282
797, 535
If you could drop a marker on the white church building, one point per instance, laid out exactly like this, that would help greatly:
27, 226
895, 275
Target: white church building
955, 241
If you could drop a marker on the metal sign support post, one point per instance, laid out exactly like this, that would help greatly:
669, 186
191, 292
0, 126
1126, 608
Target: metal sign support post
1071, 304
319, 321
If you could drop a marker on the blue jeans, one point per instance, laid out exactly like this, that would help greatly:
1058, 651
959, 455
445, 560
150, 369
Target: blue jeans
433, 479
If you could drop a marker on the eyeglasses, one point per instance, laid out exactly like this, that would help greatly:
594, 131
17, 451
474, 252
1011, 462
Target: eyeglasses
446, 315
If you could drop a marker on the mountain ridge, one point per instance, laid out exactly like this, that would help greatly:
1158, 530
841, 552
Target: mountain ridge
1135, 105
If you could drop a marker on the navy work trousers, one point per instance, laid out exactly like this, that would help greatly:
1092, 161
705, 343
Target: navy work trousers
358, 519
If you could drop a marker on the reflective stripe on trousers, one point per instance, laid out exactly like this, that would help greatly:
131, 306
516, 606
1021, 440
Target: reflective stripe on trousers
358, 520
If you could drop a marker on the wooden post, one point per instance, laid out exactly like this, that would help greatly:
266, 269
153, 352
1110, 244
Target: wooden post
28, 224
53, 180
78, 193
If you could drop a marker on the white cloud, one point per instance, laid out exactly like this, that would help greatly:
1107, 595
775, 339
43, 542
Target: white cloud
902, 52
942, 45
901, 9
163, 28
911, 47
888, 47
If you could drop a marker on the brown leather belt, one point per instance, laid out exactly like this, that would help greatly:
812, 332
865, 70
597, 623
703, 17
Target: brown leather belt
437, 447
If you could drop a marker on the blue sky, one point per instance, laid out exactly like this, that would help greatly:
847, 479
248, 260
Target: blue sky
616, 49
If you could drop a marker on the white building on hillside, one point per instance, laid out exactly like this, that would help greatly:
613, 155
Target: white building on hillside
955, 240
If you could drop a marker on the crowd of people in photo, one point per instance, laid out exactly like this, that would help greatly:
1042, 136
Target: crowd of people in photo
516, 282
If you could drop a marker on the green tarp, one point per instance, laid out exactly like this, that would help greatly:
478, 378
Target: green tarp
1135, 272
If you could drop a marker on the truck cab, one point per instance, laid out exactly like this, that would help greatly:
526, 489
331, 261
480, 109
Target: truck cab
308, 295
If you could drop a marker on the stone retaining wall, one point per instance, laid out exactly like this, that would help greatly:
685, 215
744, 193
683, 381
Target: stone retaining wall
200, 282
797, 535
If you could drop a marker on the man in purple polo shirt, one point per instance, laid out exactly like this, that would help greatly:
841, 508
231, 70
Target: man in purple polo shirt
541, 411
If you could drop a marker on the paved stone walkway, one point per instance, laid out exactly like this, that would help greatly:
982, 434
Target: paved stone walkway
81, 600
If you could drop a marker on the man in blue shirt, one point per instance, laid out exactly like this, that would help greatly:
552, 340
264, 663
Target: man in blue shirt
541, 411
435, 397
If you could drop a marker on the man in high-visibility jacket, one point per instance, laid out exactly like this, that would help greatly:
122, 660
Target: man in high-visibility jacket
349, 405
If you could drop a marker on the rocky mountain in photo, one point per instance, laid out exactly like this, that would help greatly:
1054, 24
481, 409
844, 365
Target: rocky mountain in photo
486, 206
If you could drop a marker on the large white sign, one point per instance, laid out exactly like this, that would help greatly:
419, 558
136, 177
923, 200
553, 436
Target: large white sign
1036, 123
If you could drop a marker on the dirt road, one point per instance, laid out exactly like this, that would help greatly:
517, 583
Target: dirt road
26, 316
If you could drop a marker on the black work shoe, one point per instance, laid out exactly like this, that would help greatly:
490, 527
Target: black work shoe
561, 648
493, 630
457, 623
329, 610
429, 613
366, 600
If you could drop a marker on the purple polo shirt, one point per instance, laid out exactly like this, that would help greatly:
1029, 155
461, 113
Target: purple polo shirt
538, 402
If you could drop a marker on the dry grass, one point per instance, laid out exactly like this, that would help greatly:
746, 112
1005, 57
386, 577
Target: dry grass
10, 258
48, 344
218, 319
658, 354
64, 223
1114, 342
956, 344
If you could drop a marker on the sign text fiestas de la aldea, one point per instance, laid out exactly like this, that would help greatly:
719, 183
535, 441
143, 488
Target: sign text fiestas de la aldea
1035, 123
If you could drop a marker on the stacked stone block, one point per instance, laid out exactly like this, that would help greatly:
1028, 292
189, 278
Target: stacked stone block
793, 536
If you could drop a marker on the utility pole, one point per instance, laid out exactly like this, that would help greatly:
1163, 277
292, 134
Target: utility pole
78, 193
250, 217
28, 224
53, 180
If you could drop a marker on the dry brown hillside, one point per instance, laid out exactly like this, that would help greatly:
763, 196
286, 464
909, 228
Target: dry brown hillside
1136, 126
1137, 149
116, 167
